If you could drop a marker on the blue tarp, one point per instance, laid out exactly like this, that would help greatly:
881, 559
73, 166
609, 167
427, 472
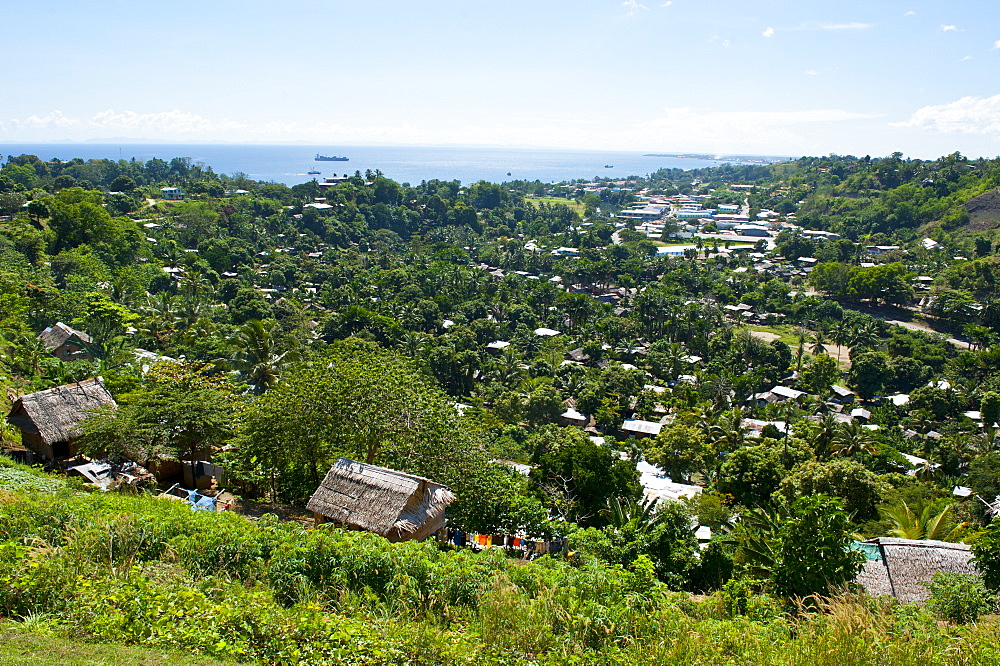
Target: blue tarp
199, 502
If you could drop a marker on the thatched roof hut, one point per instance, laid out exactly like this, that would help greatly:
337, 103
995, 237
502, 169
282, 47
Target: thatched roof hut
65, 342
49, 420
897, 567
396, 505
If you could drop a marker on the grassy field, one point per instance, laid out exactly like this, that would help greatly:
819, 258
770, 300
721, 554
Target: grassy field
21, 644
790, 336
574, 206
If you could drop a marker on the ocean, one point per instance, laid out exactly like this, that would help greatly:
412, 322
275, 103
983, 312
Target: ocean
404, 164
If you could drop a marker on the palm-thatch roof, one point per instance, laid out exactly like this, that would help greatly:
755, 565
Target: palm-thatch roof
55, 336
55, 414
897, 567
397, 505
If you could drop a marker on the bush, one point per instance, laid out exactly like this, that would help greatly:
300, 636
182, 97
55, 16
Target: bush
960, 598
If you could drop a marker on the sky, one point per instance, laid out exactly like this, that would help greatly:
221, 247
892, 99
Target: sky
793, 77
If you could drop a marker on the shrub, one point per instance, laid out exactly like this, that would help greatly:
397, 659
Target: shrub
960, 598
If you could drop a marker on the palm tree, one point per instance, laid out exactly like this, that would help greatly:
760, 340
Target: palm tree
819, 342
823, 434
841, 334
258, 360
867, 336
727, 434
852, 438
920, 522
413, 344
800, 350
639, 515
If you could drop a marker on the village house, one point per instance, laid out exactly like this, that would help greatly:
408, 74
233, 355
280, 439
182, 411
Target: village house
396, 505
65, 342
172, 193
49, 420
898, 567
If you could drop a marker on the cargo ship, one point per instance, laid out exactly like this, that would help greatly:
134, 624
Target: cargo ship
330, 158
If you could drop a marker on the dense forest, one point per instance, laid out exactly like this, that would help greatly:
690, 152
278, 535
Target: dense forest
450, 330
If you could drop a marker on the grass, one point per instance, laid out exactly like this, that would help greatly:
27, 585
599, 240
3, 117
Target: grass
20, 645
785, 332
789, 334
21, 478
574, 206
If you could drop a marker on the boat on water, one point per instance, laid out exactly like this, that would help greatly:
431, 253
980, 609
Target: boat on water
330, 158
313, 173
609, 166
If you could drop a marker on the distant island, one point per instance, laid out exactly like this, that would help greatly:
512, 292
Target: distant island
743, 159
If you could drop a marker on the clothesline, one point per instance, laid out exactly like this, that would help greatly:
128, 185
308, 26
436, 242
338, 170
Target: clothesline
531, 548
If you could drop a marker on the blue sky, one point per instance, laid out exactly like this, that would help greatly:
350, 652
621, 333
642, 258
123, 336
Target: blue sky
728, 76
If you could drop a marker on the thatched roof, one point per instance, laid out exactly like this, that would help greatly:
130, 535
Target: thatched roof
397, 505
55, 414
901, 565
55, 336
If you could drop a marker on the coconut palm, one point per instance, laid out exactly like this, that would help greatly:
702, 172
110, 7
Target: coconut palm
841, 334
920, 522
818, 342
867, 336
823, 434
852, 438
258, 360
639, 515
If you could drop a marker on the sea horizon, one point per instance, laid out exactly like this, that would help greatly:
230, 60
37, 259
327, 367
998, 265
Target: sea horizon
289, 163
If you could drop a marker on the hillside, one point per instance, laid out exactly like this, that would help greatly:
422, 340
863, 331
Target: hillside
76, 568
984, 211
670, 403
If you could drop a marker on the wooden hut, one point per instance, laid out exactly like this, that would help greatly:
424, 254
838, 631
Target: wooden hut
898, 567
65, 342
396, 505
49, 420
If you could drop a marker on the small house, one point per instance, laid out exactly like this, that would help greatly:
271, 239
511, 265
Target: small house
571, 417
637, 428
396, 505
65, 342
49, 420
842, 395
172, 193
898, 567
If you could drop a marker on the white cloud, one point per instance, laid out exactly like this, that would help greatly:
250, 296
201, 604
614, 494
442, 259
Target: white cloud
687, 129
847, 26
996, 45
968, 115
128, 123
632, 7
667, 3
948, 28
769, 32
812, 72
743, 130
910, 13
719, 41
968, 57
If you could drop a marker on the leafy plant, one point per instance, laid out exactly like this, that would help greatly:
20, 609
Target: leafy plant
960, 598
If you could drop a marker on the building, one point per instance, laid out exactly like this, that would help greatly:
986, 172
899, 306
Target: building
647, 213
49, 420
66, 343
396, 505
636, 428
171, 193
571, 417
752, 230
898, 567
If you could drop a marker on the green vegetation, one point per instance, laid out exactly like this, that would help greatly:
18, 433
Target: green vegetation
442, 329
150, 573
